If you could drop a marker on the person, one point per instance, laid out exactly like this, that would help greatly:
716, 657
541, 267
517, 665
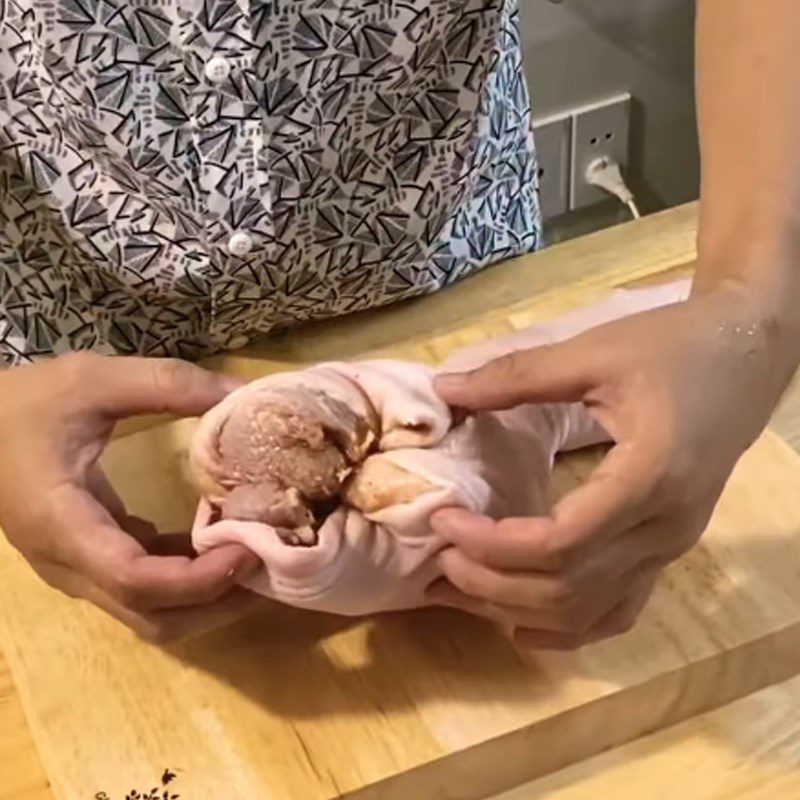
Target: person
179, 178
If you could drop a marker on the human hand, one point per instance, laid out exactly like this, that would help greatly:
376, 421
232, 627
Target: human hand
60, 512
682, 391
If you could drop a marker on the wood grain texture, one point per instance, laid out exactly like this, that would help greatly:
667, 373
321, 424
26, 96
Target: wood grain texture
747, 750
786, 422
305, 706
588, 265
424, 705
21, 774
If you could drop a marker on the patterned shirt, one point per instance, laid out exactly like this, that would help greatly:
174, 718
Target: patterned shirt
177, 176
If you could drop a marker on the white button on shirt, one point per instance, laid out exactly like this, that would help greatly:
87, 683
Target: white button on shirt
240, 244
230, 122
217, 69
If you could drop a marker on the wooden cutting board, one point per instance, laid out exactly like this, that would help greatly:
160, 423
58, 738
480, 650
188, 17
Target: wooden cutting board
747, 750
426, 705
422, 706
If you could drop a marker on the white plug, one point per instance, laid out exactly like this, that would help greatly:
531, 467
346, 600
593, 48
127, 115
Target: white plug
606, 174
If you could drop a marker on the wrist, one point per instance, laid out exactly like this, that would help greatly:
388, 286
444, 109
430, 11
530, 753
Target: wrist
749, 242
754, 318
756, 257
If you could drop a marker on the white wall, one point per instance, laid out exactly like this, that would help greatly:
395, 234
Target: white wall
583, 50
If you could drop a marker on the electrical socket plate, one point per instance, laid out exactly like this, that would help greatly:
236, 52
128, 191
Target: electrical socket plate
598, 130
552, 138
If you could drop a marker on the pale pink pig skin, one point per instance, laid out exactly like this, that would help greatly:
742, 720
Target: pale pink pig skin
497, 463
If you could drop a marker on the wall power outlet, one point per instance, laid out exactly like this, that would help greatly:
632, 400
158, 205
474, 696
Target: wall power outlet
598, 130
569, 142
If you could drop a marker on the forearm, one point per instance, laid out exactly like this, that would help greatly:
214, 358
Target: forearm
748, 94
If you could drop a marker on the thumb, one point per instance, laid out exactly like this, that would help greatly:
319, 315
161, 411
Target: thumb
553, 373
122, 386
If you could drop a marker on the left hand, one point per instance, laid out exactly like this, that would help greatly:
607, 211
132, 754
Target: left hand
683, 391
60, 512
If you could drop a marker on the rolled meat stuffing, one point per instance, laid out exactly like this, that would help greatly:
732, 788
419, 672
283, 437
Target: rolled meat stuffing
330, 474
287, 454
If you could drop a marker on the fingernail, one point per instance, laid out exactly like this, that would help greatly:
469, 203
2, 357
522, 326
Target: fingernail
450, 382
449, 522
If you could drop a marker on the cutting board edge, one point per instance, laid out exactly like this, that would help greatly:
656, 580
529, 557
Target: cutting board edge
660, 702
436, 771
579, 289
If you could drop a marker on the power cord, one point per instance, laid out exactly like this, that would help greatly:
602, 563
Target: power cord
606, 174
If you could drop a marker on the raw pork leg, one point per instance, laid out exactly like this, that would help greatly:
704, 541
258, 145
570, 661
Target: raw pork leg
330, 474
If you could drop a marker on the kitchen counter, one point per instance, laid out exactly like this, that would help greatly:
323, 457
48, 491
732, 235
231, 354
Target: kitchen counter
744, 750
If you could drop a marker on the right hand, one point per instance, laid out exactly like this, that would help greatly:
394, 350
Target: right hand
59, 511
